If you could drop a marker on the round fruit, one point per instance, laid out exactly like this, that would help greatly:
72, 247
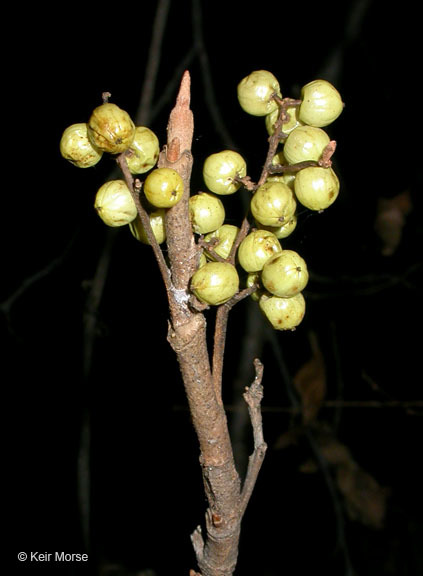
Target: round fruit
273, 204
110, 128
225, 237
285, 274
305, 143
76, 147
256, 248
283, 313
255, 93
287, 178
255, 278
220, 169
215, 282
114, 203
284, 230
207, 212
316, 188
144, 151
287, 126
157, 223
163, 187
321, 103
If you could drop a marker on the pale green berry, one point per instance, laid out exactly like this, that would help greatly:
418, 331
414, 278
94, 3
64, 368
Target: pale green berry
144, 151
316, 187
273, 204
256, 91
202, 260
163, 187
215, 282
285, 274
114, 203
287, 178
283, 313
76, 147
284, 230
222, 240
255, 278
305, 143
287, 126
321, 103
207, 212
256, 248
221, 169
157, 223
111, 129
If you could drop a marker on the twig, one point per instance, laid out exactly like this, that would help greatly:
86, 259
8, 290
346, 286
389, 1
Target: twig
172, 85
219, 342
275, 138
253, 397
134, 187
209, 93
153, 62
27, 283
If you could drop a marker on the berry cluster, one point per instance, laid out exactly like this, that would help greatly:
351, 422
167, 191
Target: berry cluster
110, 129
298, 170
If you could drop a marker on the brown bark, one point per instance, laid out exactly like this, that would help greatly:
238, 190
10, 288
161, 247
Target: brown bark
217, 551
187, 336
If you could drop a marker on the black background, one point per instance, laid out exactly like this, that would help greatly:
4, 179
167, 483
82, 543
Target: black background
146, 483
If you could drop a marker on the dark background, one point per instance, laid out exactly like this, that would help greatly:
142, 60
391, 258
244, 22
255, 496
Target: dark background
146, 487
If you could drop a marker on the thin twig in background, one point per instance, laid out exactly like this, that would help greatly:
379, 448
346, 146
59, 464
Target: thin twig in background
143, 116
209, 92
27, 283
341, 543
94, 297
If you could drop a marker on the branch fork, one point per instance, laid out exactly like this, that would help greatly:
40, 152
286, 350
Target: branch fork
216, 549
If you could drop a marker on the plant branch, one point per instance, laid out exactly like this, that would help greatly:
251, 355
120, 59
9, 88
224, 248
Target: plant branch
253, 397
153, 62
134, 187
217, 550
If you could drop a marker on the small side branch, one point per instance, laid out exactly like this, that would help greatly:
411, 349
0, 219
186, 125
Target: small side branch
253, 397
134, 187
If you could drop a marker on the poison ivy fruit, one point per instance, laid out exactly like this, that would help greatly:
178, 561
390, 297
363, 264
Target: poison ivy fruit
255, 93
283, 313
215, 282
144, 151
157, 223
316, 188
256, 248
288, 126
285, 274
273, 204
284, 230
222, 240
114, 203
255, 278
207, 212
305, 143
76, 147
110, 128
220, 169
202, 260
163, 187
321, 103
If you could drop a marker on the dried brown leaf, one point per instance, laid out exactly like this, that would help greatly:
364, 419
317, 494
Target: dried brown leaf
365, 499
310, 382
390, 220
